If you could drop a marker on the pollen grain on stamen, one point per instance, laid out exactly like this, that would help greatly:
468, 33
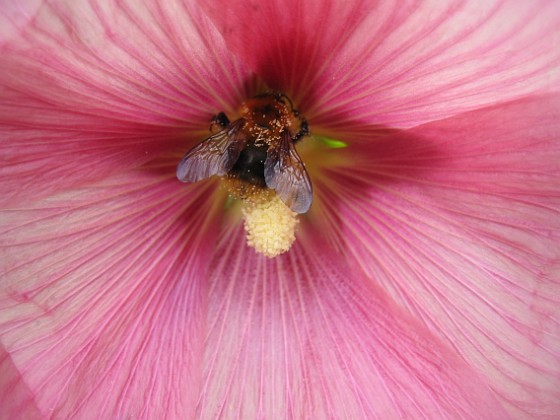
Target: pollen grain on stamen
270, 225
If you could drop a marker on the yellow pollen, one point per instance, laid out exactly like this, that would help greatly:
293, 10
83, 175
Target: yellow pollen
269, 223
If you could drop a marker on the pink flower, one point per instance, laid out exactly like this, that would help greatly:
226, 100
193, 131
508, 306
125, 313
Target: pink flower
423, 283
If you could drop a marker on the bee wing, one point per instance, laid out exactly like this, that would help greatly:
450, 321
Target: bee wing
285, 173
214, 156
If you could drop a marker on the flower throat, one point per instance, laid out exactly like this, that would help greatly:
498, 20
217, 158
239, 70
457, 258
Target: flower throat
256, 157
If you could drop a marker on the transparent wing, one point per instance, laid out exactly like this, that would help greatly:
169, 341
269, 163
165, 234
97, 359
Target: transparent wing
214, 156
286, 174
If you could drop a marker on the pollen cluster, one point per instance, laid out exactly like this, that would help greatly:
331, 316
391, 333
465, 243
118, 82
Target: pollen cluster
270, 224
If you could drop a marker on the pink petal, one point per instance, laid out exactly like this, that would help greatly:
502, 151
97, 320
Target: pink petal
15, 16
302, 336
459, 220
102, 302
94, 88
395, 63
16, 398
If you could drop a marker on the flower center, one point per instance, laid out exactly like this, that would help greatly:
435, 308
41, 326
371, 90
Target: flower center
256, 156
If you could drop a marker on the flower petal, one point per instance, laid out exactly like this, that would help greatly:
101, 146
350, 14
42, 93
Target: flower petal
16, 399
459, 220
392, 63
301, 336
91, 88
102, 304
14, 16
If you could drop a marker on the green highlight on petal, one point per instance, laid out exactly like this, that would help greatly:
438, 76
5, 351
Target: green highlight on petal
331, 143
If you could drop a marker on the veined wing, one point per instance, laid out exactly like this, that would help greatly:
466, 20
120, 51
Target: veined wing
286, 174
214, 156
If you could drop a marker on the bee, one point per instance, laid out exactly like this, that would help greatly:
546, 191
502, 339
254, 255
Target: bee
257, 149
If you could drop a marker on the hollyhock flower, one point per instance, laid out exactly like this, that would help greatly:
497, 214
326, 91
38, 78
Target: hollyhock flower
423, 282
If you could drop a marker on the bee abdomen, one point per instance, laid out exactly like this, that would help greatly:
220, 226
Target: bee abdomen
250, 166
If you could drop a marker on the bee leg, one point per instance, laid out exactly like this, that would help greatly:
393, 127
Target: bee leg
303, 131
218, 123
